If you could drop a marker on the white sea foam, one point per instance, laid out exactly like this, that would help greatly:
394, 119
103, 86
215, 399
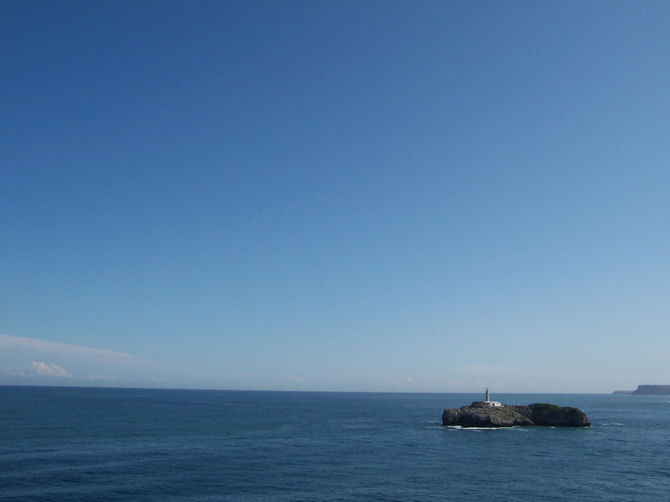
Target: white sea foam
460, 428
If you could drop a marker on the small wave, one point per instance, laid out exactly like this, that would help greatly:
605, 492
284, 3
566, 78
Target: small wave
475, 429
612, 423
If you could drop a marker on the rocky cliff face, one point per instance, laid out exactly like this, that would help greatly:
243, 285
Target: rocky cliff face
510, 415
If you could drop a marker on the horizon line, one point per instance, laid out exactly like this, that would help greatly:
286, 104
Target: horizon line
213, 389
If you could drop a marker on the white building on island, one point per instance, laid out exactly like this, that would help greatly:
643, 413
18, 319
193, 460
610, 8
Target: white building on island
488, 401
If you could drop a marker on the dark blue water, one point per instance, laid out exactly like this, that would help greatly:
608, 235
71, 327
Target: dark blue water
120, 444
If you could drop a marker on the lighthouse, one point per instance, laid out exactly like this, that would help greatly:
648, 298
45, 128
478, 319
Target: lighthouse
487, 403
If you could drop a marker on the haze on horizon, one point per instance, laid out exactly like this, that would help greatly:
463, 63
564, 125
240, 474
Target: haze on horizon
374, 196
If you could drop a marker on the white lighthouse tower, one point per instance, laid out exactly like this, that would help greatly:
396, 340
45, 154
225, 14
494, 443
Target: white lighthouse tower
488, 401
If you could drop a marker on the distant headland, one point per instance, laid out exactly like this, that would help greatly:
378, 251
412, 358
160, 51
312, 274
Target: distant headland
652, 390
489, 413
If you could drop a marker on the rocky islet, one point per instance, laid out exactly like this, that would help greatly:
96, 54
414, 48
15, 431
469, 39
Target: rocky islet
478, 414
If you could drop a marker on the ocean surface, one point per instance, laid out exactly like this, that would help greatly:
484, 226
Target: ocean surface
67, 444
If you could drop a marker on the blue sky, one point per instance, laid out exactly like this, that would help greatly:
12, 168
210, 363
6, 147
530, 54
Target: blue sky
397, 196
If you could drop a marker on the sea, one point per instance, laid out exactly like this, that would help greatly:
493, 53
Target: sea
95, 444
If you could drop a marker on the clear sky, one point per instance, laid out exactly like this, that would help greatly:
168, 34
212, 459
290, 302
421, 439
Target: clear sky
396, 196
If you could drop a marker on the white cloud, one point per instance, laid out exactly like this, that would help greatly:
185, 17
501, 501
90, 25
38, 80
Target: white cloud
100, 377
245, 376
295, 379
27, 358
63, 349
45, 369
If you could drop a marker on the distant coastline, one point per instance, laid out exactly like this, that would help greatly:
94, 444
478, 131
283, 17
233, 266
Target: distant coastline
652, 390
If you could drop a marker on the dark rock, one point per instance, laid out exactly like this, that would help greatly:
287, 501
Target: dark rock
511, 415
550, 414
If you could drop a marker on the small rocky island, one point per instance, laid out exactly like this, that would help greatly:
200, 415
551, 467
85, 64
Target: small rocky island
494, 414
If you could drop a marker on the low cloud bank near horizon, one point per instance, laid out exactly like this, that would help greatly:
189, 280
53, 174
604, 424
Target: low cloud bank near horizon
30, 361
35, 361
25, 343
